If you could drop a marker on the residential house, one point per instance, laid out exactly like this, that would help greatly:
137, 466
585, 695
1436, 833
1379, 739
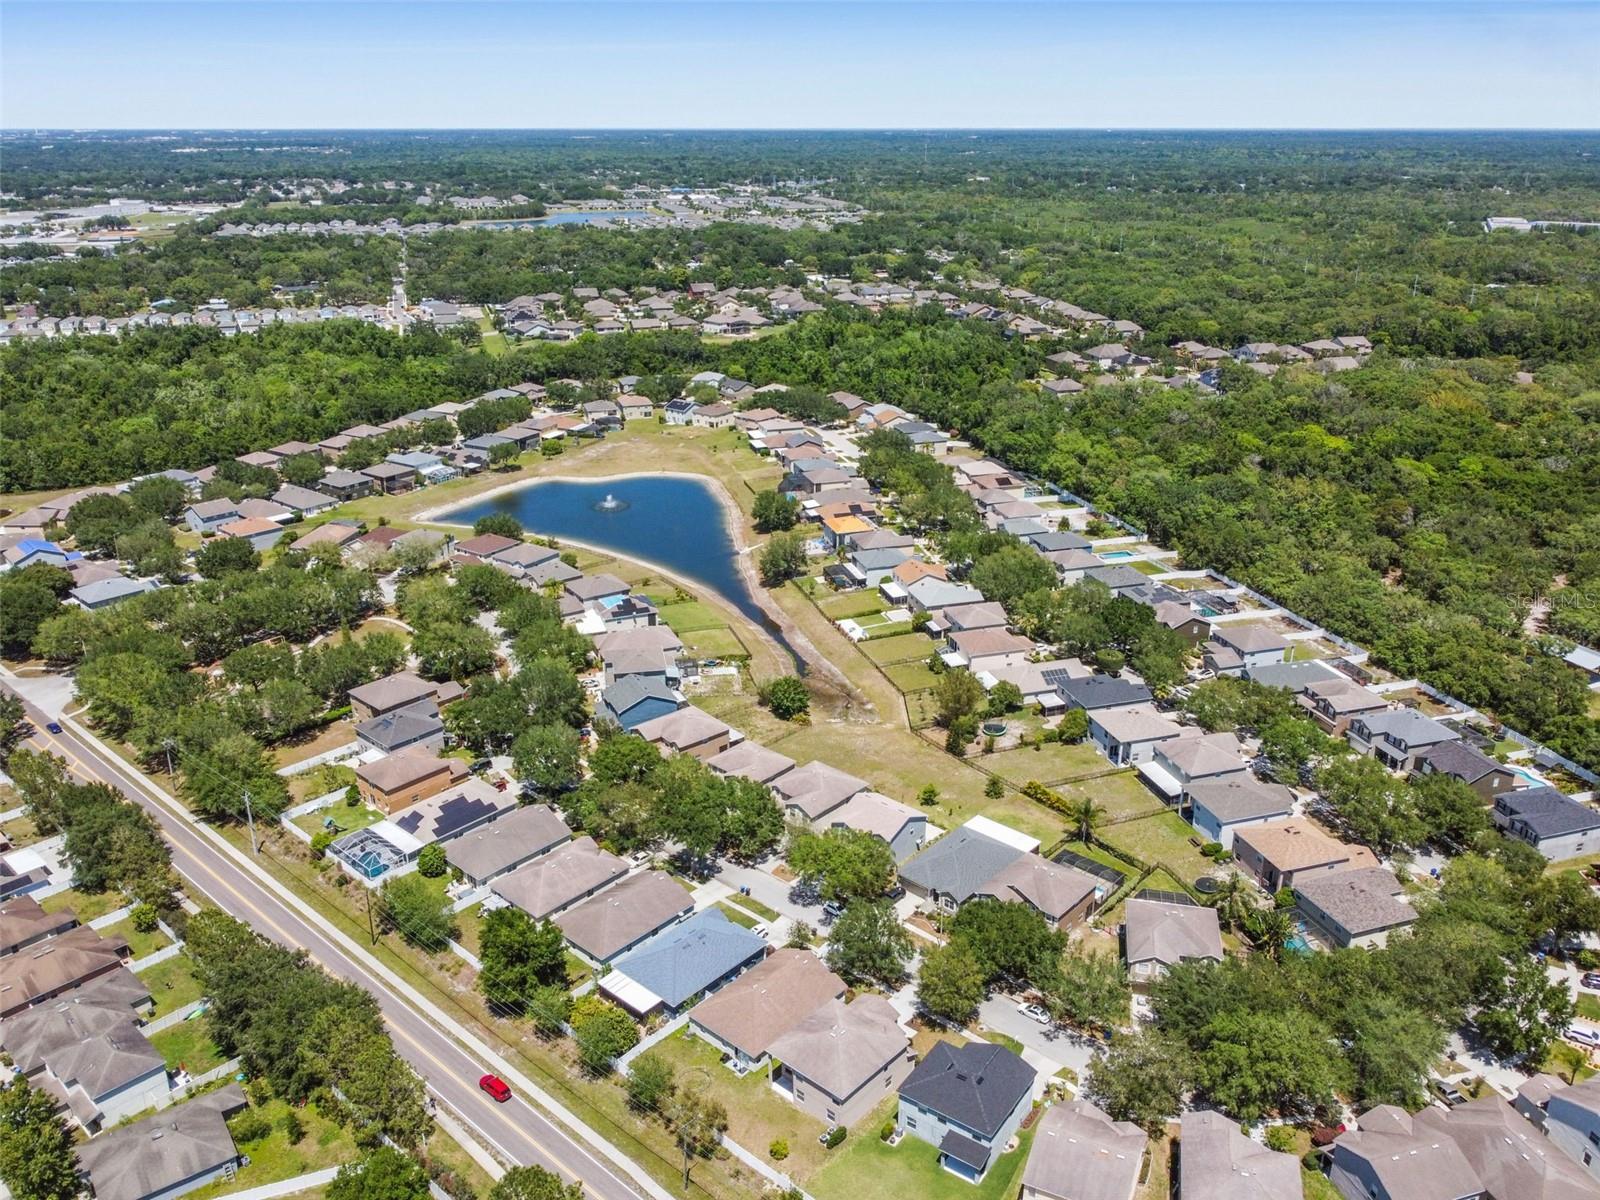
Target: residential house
743, 1019
931, 594
1355, 908
750, 760
391, 478
1079, 1153
345, 485
1157, 935
1508, 1154
261, 533
55, 965
1130, 736
1183, 619
1471, 766
1098, 693
1392, 1155
836, 531
966, 618
505, 843
86, 1051
616, 920
1555, 825
1182, 762
303, 501
1234, 648
1063, 895
682, 962
597, 589
688, 730
904, 828
841, 1059
652, 651
1572, 1121
1218, 1162
809, 793
416, 728
485, 546
23, 922
400, 690
636, 699
1219, 808
1284, 854
968, 1101
551, 882
208, 516
987, 649
1397, 736
959, 865
635, 407
168, 1154
103, 593
1334, 703
398, 781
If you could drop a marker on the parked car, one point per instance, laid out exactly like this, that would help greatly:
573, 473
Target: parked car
1583, 1035
1591, 979
496, 1087
1448, 1092
831, 912
759, 930
1035, 1012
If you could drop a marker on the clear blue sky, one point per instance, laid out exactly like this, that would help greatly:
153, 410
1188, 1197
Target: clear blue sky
807, 64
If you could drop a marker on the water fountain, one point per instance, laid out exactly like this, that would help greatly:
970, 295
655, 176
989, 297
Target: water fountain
610, 504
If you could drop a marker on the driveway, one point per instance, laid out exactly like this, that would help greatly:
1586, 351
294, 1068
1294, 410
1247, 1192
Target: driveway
1054, 1045
771, 891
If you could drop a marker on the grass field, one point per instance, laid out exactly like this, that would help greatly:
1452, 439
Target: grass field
86, 905
720, 642
902, 647
140, 943
737, 917
274, 1157
1048, 763
188, 1045
756, 1113
344, 818
911, 676
865, 1168
172, 984
864, 603
1161, 839
687, 616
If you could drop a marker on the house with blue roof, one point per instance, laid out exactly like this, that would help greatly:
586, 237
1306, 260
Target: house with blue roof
681, 964
635, 699
29, 551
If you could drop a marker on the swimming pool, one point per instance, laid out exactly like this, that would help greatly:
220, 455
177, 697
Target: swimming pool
1110, 555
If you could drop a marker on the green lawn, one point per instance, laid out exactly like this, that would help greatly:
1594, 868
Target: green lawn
87, 905
756, 906
863, 603
865, 1168
1318, 1186
141, 943
1161, 839
1568, 1063
737, 917
902, 647
687, 616
172, 984
756, 1114
1048, 763
1122, 795
922, 708
21, 831
188, 1044
720, 642
1588, 1007
274, 1158
911, 676
344, 818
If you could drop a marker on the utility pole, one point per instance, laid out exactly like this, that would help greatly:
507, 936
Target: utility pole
167, 746
372, 933
250, 819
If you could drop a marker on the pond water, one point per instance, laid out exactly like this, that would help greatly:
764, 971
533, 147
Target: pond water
565, 218
678, 523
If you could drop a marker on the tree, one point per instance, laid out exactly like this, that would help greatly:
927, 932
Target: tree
782, 558
36, 1157
503, 455
450, 651
697, 1122
650, 1081
1087, 815
159, 497
549, 1008
1372, 805
1141, 1077
548, 758
226, 556
774, 512
431, 861
1010, 941
1526, 1013
957, 694
603, 1033
752, 823
385, 1174
1005, 697
1271, 929
1010, 573
26, 603
1448, 809
623, 758
786, 697
1255, 1063
1089, 990
950, 983
215, 778
1074, 726
845, 864
420, 911
534, 1183
1291, 743
868, 943
519, 955
1565, 906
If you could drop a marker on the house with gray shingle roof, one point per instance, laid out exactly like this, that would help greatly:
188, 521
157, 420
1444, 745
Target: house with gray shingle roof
1355, 908
967, 1100
1555, 825
1079, 1153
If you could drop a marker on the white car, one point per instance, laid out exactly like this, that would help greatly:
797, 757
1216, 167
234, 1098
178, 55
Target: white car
1035, 1012
1583, 1035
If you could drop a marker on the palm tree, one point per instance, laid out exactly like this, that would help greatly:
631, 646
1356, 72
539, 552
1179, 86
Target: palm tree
1086, 815
1271, 929
1234, 900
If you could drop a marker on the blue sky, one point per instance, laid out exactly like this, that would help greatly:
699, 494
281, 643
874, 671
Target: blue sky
808, 64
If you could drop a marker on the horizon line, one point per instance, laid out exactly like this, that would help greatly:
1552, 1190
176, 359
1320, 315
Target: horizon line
781, 129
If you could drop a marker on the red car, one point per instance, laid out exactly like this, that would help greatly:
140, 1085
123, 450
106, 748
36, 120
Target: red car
496, 1087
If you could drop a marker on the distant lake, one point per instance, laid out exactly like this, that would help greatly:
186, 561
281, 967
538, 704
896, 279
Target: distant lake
565, 218
678, 523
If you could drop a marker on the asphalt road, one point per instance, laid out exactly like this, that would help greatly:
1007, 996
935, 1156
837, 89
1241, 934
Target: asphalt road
517, 1129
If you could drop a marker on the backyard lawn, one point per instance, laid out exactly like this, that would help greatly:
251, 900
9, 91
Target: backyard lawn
188, 1045
140, 943
87, 906
275, 1158
862, 603
1160, 839
911, 676
172, 984
344, 818
865, 1168
720, 642
756, 1113
1051, 762
902, 647
687, 616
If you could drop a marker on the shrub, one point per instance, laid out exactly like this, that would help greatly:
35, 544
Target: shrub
1280, 1138
786, 696
1588, 960
887, 1131
779, 1150
920, 620
431, 862
994, 789
929, 795
320, 841
250, 1126
352, 796
1211, 849
144, 918
293, 1127
835, 1136
1284, 898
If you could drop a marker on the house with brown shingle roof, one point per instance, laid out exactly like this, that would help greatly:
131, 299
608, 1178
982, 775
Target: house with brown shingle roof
616, 920
1282, 853
398, 781
45, 969
563, 877
23, 922
841, 1060
744, 1018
